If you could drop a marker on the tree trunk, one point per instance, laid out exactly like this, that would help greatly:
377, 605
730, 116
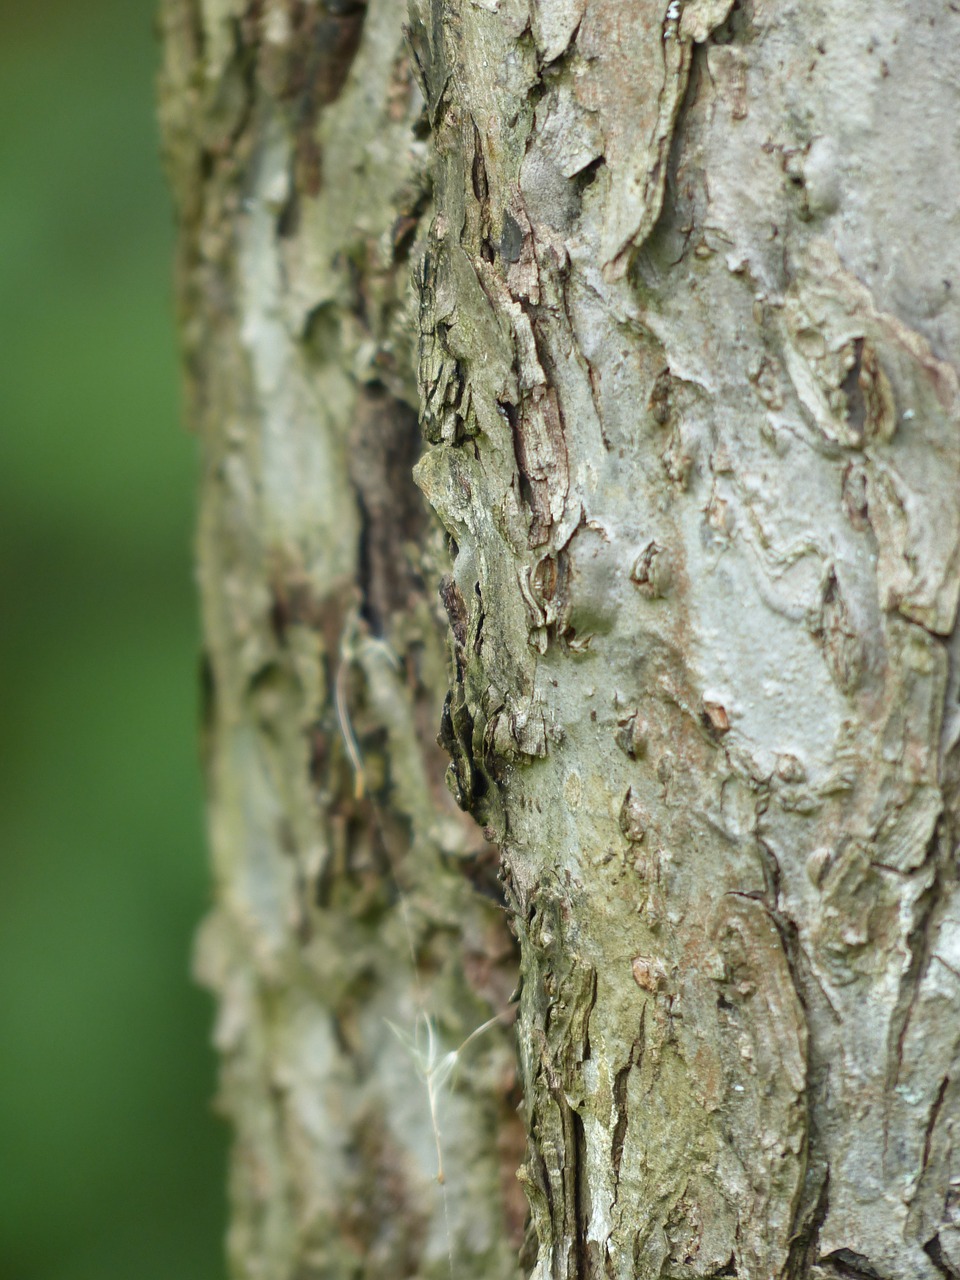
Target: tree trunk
686, 294
352, 896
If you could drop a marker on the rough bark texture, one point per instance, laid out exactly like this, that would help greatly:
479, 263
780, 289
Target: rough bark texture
688, 351
352, 896
693, 266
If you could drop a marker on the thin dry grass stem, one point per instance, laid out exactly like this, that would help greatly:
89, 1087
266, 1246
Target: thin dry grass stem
434, 1068
346, 729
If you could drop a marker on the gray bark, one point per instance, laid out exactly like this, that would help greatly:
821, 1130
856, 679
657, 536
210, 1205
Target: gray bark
686, 280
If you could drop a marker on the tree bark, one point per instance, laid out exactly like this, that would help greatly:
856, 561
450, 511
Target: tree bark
686, 329
352, 896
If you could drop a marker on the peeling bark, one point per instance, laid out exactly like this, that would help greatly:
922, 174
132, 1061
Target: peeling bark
686, 334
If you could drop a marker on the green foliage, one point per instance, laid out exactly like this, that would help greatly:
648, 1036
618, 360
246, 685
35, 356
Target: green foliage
112, 1162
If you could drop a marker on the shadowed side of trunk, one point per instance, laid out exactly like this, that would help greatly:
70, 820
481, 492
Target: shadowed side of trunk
357, 936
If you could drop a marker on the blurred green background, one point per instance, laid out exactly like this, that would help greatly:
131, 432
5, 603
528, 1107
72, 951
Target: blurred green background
111, 1162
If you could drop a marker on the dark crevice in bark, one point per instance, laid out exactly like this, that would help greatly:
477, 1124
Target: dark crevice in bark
384, 446
932, 1119
738, 26
457, 616
429, 58
805, 1243
482, 870
667, 241
809, 1214
596, 389
936, 1255
293, 604
853, 391
208, 692
586, 176
620, 1084
852, 1266
317, 59
577, 1177
456, 738
919, 944
246, 51
403, 234
539, 442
